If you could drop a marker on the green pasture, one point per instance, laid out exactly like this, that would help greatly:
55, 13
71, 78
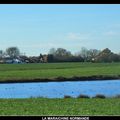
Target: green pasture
68, 106
54, 70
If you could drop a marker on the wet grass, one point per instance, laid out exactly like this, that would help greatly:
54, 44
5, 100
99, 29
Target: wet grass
69, 106
17, 72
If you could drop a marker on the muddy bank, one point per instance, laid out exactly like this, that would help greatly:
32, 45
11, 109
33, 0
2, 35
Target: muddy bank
62, 79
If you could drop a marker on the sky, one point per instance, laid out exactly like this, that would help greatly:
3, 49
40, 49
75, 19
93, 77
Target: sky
35, 28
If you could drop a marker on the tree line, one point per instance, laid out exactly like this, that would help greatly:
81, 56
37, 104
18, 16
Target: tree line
63, 55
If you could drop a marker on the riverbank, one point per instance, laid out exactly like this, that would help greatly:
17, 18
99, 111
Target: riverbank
69, 106
48, 72
63, 79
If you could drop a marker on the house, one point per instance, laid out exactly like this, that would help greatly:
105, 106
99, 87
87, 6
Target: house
17, 61
6, 60
10, 60
23, 59
43, 58
1, 61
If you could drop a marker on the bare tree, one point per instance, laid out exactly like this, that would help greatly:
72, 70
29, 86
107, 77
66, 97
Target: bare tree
13, 52
52, 51
1, 53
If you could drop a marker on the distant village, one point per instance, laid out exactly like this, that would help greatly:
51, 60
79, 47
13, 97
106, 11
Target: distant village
12, 56
23, 59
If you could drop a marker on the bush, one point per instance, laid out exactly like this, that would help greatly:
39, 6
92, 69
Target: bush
117, 96
83, 96
99, 96
67, 96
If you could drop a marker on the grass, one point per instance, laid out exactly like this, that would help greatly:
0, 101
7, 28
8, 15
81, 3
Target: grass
70, 106
54, 70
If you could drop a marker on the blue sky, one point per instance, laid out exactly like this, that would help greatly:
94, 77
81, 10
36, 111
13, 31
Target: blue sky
35, 28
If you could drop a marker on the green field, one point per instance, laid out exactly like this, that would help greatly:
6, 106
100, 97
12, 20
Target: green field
70, 106
54, 70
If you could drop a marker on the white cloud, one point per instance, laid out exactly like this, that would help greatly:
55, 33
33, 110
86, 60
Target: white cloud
111, 33
77, 36
117, 25
39, 45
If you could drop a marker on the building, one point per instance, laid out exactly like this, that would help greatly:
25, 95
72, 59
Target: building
10, 60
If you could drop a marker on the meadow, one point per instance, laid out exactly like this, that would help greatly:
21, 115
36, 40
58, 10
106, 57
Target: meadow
66, 106
29, 72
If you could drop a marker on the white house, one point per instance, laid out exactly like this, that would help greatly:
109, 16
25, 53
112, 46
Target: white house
17, 61
10, 60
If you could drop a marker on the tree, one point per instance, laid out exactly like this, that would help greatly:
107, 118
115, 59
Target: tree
92, 53
50, 58
61, 52
52, 51
59, 55
88, 54
13, 52
62, 55
1, 53
84, 53
105, 56
115, 58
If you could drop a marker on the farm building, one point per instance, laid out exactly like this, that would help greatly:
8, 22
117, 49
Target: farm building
10, 60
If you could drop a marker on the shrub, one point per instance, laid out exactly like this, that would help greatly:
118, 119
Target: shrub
117, 96
37, 97
67, 96
99, 96
31, 97
83, 96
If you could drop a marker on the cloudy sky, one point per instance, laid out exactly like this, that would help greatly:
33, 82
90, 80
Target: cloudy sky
35, 28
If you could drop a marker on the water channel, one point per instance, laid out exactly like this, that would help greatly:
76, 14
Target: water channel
59, 89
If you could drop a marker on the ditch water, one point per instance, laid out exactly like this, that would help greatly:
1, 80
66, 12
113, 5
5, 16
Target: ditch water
59, 89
